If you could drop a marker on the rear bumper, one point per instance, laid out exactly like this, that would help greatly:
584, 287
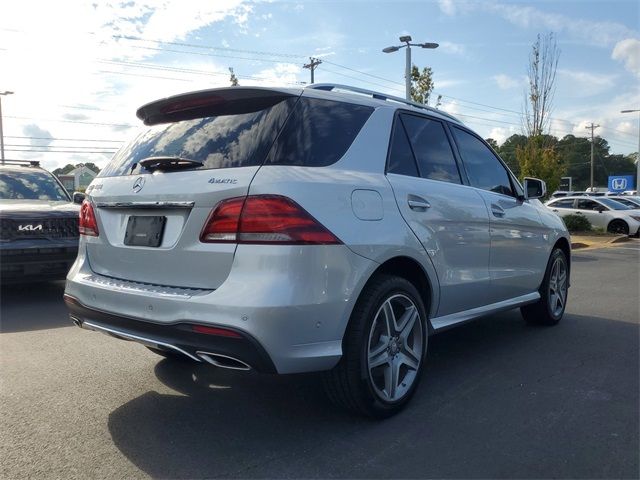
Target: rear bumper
36, 261
292, 302
177, 338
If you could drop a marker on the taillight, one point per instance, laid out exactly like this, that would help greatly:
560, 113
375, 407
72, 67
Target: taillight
264, 219
88, 224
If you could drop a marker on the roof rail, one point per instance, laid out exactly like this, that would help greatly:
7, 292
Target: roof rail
378, 96
25, 163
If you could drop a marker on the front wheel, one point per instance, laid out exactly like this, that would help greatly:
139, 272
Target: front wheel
383, 350
618, 226
553, 292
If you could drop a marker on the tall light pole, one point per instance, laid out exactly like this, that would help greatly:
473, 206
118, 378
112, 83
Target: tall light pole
6, 92
407, 71
638, 157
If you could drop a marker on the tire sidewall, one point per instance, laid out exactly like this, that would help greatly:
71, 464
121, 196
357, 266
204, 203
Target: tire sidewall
621, 222
392, 286
557, 253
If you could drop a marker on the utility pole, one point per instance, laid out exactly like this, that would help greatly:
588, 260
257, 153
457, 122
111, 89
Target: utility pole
6, 92
313, 63
592, 127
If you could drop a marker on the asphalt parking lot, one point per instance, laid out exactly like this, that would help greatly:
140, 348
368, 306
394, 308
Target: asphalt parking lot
500, 399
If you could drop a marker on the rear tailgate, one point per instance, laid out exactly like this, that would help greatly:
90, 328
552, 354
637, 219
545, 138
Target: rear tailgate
228, 131
180, 259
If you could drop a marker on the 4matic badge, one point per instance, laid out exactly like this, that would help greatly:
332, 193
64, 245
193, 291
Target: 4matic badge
223, 180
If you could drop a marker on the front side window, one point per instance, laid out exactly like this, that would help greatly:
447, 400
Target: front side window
587, 204
30, 185
484, 169
431, 148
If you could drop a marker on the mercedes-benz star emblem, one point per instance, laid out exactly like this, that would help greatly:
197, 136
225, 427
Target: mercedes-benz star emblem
139, 183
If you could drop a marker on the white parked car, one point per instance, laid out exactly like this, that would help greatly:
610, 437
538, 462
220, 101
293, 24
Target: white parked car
602, 212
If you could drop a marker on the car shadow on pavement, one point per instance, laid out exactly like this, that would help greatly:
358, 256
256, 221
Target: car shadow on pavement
499, 399
33, 306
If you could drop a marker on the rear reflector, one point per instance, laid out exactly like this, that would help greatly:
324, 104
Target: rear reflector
217, 331
264, 219
88, 224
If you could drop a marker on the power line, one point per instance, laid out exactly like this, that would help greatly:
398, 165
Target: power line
62, 151
71, 121
67, 139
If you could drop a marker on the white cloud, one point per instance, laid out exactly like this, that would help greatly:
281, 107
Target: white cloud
628, 52
448, 7
584, 84
53, 63
500, 134
505, 82
453, 48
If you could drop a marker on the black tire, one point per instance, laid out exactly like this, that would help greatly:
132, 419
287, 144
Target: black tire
542, 312
354, 383
168, 354
618, 226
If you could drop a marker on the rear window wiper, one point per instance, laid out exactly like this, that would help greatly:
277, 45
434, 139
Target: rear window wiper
168, 163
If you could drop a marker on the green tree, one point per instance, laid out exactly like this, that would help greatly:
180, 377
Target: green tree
492, 143
540, 160
507, 151
421, 84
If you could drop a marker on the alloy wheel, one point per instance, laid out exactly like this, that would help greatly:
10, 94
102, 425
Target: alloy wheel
395, 348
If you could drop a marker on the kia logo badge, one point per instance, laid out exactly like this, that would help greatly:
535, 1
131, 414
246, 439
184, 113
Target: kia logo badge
138, 184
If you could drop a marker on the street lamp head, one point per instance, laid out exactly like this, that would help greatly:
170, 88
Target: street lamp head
629, 111
429, 45
405, 38
6, 92
390, 49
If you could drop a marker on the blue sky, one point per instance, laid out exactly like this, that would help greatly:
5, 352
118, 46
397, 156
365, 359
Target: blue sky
76, 79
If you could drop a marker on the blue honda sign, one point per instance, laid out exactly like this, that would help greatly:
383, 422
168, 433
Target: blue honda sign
620, 183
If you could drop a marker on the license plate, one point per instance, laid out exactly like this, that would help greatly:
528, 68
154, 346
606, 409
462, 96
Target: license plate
144, 231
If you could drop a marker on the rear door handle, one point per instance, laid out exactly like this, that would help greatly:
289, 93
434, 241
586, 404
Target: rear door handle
417, 203
497, 210
554, 210
578, 213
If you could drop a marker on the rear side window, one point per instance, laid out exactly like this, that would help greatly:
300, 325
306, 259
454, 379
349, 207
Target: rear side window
431, 148
222, 141
401, 159
484, 169
565, 203
318, 133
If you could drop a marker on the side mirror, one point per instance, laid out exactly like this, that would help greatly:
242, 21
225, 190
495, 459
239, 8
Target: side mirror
534, 188
601, 209
78, 197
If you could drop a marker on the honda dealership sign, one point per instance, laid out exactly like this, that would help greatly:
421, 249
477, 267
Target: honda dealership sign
620, 183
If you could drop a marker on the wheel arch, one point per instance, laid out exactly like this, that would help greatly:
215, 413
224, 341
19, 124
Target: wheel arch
563, 244
411, 270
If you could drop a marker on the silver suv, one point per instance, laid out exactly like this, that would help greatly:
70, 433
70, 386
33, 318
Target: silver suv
326, 229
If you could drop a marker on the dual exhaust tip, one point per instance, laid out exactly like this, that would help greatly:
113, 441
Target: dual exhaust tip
216, 359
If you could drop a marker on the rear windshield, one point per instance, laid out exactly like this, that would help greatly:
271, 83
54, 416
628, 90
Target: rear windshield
313, 133
30, 185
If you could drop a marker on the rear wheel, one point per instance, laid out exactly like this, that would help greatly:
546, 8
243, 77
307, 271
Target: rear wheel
383, 350
553, 292
618, 226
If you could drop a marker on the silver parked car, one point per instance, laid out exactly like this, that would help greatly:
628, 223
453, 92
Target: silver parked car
325, 229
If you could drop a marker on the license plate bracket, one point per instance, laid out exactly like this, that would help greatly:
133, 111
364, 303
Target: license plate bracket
144, 231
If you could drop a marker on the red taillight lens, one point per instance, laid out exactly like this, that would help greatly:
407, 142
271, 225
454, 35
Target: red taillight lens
217, 331
88, 224
265, 219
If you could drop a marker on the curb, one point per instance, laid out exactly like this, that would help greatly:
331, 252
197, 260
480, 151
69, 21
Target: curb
595, 242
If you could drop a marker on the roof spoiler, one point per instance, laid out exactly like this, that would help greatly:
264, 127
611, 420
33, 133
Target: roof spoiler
212, 102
